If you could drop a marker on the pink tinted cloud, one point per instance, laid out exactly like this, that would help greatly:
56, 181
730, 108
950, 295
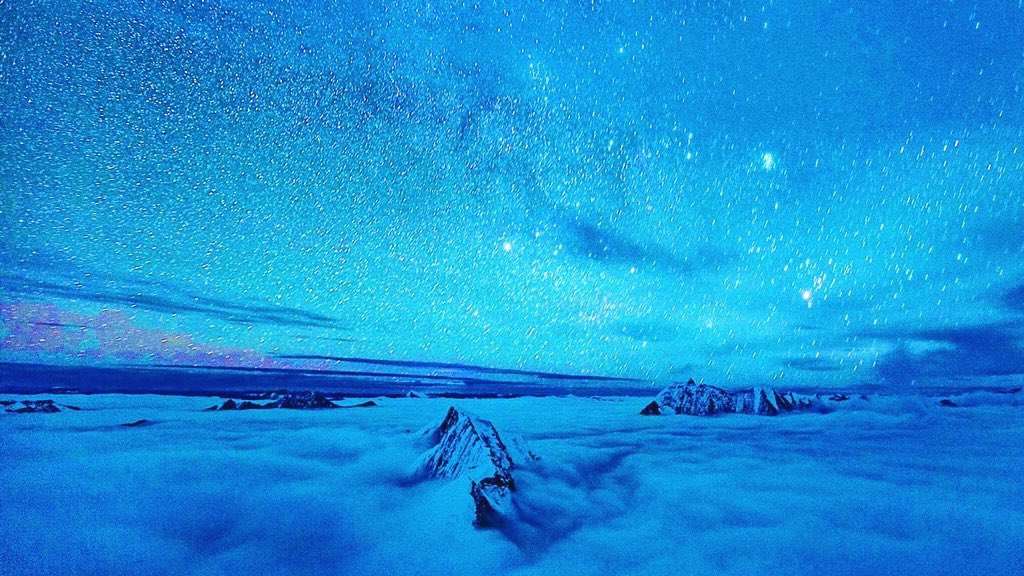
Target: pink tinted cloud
45, 331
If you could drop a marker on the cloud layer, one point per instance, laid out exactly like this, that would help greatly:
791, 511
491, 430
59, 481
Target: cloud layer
886, 486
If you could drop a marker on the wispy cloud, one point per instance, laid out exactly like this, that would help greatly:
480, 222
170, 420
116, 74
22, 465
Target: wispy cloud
812, 364
1014, 299
951, 352
164, 298
452, 366
37, 330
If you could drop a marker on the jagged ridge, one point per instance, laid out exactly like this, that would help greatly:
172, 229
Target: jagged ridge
285, 400
704, 400
470, 447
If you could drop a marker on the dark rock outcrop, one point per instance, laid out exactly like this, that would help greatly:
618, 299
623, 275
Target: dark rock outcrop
466, 446
705, 400
769, 402
137, 423
367, 404
301, 401
651, 409
285, 400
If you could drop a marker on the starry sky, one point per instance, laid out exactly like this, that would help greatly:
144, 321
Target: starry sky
791, 192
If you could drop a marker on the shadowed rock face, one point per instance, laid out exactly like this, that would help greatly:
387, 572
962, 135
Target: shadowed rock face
704, 400
469, 447
651, 409
768, 402
286, 400
492, 499
137, 423
367, 404
695, 399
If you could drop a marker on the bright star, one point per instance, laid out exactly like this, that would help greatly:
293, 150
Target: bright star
806, 295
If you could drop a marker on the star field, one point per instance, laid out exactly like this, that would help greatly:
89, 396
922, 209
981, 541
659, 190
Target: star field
808, 193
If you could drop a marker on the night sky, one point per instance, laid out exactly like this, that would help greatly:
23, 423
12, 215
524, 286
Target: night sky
805, 193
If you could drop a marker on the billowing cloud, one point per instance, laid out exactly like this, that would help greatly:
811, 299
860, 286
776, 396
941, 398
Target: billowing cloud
876, 484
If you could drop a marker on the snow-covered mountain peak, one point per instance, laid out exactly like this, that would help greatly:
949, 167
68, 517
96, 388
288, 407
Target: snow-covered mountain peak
703, 400
692, 398
467, 446
34, 406
306, 400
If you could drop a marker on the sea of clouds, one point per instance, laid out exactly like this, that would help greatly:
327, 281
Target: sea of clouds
891, 485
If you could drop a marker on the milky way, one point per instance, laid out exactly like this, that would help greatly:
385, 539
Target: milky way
800, 192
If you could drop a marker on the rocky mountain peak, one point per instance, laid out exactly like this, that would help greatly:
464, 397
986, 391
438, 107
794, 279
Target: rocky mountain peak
466, 446
35, 406
287, 400
704, 400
